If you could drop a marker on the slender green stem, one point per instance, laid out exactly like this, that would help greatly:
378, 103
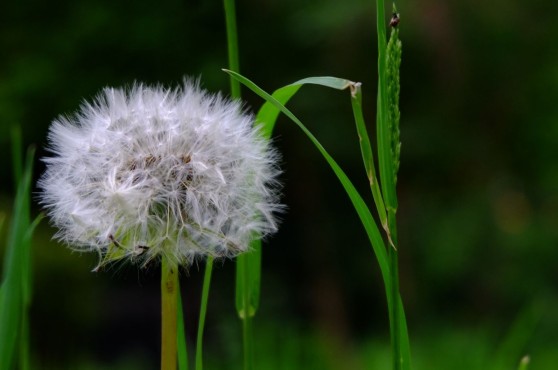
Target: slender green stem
387, 181
244, 263
367, 154
524, 363
203, 312
247, 335
395, 317
169, 293
181, 335
232, 44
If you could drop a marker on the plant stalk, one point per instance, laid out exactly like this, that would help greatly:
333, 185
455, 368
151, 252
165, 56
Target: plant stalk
203, 312
243, 268
169, 294
395, 315
247, 335
232, 45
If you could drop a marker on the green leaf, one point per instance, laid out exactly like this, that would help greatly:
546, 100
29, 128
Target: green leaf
363, 212
248, 279
203, 311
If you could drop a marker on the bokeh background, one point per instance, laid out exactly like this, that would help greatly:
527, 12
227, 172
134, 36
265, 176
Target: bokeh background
478, 209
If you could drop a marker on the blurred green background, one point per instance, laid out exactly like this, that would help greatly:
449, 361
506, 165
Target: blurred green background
478, 207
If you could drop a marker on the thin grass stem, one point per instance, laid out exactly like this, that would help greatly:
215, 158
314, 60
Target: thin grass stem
203, 312
395, 318
247, 335
232, 45
247, 269
181, 335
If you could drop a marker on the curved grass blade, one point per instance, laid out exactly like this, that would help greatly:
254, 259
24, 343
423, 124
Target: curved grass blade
268, 114
248, 278
270, 110
368, 156
248, 282
360, 206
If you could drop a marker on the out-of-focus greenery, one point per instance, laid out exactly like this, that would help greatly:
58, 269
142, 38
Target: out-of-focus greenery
478, 198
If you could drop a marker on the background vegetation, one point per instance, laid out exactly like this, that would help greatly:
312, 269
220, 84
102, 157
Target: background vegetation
478, 212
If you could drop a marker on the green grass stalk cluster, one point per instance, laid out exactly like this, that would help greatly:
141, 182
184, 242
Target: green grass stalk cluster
16, 288
383, 190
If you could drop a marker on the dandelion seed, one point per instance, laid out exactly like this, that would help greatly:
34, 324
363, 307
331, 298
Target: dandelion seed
152, 172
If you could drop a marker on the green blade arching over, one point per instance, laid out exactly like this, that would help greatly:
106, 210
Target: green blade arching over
359, 204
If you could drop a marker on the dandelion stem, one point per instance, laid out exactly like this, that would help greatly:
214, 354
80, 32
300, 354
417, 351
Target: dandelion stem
169, 293
203, 311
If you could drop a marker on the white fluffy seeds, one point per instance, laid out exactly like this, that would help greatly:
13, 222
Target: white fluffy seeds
149, 172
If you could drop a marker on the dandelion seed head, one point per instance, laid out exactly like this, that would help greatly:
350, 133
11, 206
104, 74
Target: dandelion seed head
154, 172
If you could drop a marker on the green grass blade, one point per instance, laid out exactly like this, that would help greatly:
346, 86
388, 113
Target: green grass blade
268, 115
248, 279
24, 351
232, 44
17, 161
327, 81
359, 204
386, 159
16, 286
524, 363
517, 337
181, 334
248, 266
203, 311
275, 104
404, 343
367, 155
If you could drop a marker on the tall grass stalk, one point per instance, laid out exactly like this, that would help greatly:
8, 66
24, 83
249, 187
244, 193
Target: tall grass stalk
387, 113
248, 265
383, 191
203, 311
15, 291
181, 334
232, 45
275, 104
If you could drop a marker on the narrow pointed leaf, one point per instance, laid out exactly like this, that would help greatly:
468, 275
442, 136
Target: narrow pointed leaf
359, 204
16, 284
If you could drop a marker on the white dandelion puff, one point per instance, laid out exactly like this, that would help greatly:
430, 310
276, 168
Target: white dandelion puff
153, 172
